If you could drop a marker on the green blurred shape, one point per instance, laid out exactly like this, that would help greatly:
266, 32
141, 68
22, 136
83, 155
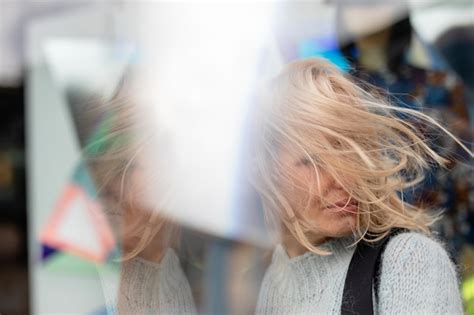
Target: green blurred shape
468, 294
64, 263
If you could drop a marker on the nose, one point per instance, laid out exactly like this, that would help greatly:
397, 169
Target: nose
329, 183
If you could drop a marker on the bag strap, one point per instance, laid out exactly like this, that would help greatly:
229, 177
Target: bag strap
362, 277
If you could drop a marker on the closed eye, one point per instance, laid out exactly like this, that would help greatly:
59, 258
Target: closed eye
306, 161
303, 162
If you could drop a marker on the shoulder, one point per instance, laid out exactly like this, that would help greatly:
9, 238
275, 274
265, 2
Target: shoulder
415, 248
417, 276
420, 261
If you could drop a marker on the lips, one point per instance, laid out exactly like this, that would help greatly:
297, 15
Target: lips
341, 203
343, 206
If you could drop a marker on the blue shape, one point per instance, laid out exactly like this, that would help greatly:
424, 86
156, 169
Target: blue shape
324, 47
47, 251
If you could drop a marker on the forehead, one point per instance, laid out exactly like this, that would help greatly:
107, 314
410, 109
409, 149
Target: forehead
307, 143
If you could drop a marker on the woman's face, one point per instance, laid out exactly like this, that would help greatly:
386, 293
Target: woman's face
326, 206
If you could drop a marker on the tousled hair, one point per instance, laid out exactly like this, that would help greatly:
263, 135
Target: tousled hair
374, 150
111, 158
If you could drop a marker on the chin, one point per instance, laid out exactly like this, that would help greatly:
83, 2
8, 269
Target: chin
332, 224
339, 227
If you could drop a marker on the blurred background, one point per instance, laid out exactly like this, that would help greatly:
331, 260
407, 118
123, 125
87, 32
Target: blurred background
55, 54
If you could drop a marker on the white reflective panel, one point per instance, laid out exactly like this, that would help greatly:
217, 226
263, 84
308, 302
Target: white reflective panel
197, 68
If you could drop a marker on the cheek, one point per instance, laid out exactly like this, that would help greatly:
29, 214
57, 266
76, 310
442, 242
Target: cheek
305, 175
299, 181
302, 192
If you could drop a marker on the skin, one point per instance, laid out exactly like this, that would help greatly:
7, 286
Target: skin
332, 222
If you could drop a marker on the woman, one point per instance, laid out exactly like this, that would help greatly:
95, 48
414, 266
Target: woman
331, 163
150, 278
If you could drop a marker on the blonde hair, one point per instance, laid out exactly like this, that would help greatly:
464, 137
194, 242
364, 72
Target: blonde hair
336, 124
111, 157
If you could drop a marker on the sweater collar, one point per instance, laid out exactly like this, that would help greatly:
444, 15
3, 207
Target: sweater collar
339, 247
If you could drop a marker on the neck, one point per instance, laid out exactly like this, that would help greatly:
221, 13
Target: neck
294, 248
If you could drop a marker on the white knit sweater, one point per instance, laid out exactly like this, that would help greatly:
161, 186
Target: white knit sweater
144, 287
417, 277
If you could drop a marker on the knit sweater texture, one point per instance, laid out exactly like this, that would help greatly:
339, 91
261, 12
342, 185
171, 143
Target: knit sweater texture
145, 287
416, 277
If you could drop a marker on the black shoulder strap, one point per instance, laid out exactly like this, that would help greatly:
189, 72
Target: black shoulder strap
362, 276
